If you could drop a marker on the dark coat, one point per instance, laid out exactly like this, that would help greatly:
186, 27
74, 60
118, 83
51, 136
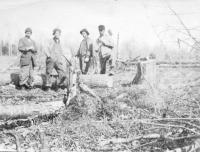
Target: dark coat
27, 55
86, 48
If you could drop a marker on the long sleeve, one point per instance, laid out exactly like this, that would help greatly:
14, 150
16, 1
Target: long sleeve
35, 47
108, 41
21, 45
90, 47
48, 48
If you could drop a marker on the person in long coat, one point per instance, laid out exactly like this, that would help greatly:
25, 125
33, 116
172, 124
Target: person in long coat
28, 50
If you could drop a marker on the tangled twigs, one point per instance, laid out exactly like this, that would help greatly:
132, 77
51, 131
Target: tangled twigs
146, 144
150, 122
149, 136
17, 143
187, 123
169, 125
127, 140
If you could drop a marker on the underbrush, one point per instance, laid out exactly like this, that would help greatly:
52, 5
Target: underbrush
133, 118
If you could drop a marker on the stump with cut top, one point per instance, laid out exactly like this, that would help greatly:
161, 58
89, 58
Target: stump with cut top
145, 71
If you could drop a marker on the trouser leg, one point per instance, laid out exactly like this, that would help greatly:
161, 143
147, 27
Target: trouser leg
49, 69
31, 78
101, 59
103, 64
33, 59
61, 72
111, 66
87, 65
81, 64
24, 75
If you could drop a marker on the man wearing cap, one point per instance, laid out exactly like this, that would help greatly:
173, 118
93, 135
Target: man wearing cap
105, 46
85, 52
28, 49
55, 59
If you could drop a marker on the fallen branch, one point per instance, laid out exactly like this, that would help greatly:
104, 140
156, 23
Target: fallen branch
127, 140
149, 122
17, 143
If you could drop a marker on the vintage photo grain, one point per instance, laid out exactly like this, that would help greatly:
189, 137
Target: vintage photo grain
99, 75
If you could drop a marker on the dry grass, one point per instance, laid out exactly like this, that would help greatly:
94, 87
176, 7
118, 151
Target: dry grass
126, 121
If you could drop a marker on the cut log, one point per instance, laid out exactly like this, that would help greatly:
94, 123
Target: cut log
4, 78
27, 110
95, 80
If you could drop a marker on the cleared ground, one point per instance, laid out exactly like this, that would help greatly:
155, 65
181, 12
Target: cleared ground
128, 120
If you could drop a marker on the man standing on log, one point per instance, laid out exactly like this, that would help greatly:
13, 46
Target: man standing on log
85, 52
105, 46
55, 59
28, 49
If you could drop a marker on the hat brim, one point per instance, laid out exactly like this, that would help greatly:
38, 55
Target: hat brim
28, 31
55, 30
85, 32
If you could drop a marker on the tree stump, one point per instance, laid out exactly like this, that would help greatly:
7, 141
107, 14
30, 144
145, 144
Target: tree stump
146, 70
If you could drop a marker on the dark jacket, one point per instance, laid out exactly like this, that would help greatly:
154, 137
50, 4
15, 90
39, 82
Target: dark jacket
86, 48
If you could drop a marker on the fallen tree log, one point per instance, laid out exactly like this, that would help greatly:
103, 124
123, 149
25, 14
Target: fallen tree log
95, 80
179, 66
29, 110
25, 113
4, 78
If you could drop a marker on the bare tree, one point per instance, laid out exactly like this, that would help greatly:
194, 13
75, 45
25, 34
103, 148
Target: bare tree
183, 25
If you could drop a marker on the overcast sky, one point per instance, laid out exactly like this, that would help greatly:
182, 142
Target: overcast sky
140, 22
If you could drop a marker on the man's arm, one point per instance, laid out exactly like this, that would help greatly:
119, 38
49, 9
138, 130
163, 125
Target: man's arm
21, 46
35, 49
107, 42
90, 47
47, 48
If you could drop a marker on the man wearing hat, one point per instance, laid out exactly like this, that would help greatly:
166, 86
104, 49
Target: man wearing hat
55, 59
105, 46
28, 49
85, 52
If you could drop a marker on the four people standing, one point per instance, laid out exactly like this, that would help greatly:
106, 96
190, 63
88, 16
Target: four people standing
55, 58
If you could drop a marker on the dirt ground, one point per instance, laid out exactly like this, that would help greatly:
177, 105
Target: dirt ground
131, 118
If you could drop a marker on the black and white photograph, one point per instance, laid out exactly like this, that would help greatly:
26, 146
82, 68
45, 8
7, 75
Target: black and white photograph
99, 75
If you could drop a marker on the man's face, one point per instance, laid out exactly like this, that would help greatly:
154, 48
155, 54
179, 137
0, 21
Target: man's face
101, 32
28, 34
84, 34
57, 34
